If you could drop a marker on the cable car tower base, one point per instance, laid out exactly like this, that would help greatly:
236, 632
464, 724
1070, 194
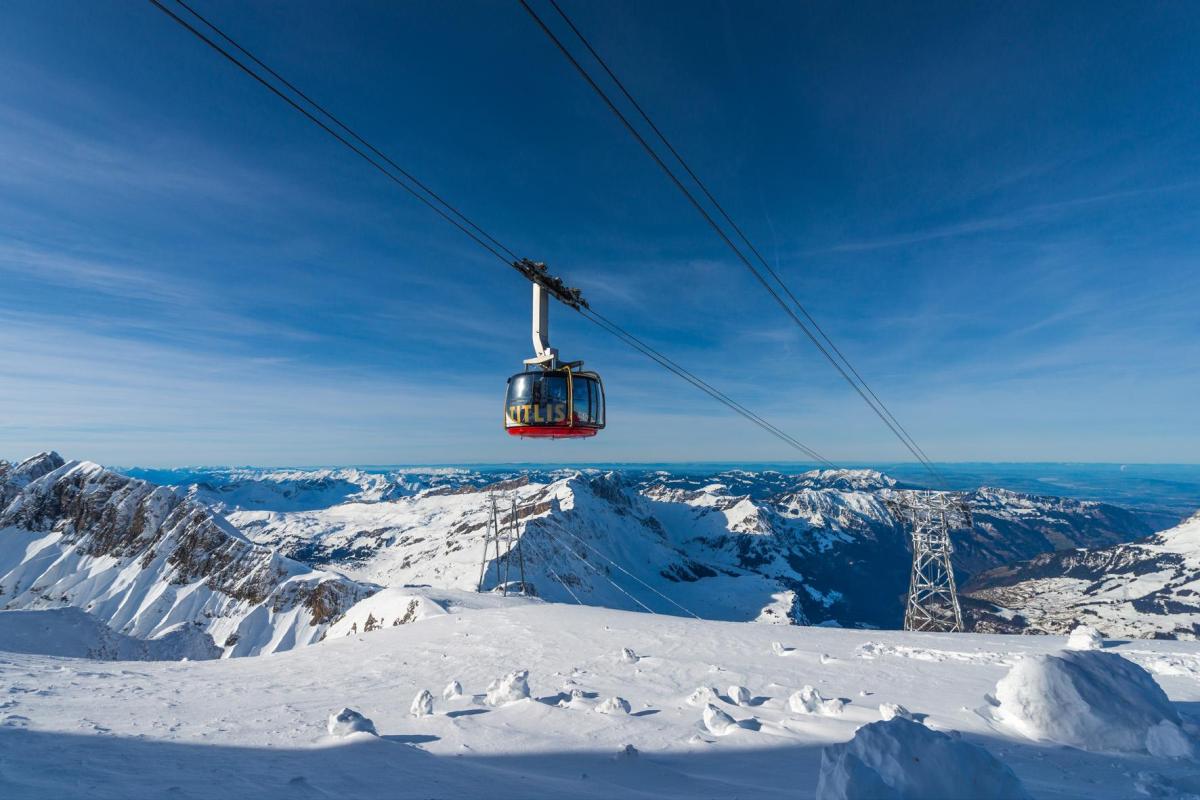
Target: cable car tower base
932, 595
502, 539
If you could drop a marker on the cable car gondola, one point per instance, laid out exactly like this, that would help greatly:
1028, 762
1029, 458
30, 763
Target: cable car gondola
552, 399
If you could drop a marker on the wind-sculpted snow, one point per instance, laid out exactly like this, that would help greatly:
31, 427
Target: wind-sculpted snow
540, 706
143, 560
1093, 701
1146, 589
819, 546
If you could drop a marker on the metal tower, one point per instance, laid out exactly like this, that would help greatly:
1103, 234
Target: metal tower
502, 534
932, 596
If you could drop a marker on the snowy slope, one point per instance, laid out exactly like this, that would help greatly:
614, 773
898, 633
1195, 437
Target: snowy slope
1149, 588
144, 561
256, 727
813, 547
76, 633
291, 490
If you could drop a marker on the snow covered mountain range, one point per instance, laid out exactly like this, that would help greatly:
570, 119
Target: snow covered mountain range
248, 561
1144, 589
815, 547
150, 563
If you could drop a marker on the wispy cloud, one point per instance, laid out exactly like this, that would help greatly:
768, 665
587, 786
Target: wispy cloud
1029, 215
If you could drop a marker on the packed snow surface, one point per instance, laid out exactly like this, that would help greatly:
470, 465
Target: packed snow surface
899, 759
259, 726
1091, 700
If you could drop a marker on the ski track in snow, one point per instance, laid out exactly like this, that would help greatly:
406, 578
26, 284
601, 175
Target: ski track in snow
257, 726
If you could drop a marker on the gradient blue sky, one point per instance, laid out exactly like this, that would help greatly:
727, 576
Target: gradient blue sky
992, 208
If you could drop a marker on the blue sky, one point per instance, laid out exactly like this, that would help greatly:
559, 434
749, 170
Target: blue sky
992, 209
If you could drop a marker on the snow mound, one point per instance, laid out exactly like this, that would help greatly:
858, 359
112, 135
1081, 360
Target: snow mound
384, 609
809, 701
422, 704
512, 687
902, 760
718, 722
703, 696
627, 656
614, 705
452, 691
1085, 637
1090, 700
740, 695
348, 721
893, 710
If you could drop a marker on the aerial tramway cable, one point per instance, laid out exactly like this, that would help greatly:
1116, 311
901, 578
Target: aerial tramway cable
444, 209
856, 382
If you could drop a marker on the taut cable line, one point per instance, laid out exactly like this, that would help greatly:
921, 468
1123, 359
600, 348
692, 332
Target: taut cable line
840, 362
351, 140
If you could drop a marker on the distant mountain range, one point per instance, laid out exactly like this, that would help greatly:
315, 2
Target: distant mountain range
262, 560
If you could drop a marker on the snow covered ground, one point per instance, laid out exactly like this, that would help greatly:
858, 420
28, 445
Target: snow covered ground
258, 726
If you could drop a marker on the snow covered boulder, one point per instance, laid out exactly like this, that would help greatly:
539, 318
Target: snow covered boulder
740, 695
718, 722
1085, 637
512, 687
348, 721
627, 656
1091, 700
422, 704
809, 701
903, 760
614, 705
703, 696
892, 710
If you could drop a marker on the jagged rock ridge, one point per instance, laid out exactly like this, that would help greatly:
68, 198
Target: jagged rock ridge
146, 561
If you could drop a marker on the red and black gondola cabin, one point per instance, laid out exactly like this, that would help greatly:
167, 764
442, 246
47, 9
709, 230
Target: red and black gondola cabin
554, 404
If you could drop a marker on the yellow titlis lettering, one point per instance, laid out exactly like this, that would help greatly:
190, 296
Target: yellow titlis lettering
537, 414
560, 413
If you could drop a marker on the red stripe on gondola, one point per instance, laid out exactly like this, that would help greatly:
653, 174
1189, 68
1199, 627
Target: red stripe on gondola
551, 431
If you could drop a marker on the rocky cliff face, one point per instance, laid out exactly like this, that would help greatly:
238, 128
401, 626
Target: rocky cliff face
146, 561
1144, 589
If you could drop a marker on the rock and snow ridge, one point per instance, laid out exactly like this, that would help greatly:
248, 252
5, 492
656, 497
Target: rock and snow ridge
1149, 588
146, 562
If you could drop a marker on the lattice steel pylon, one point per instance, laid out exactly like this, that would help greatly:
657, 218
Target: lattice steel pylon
932, 595
503, 533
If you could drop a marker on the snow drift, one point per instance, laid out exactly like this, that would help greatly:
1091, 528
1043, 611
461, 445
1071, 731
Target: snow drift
1091, 700
903, 760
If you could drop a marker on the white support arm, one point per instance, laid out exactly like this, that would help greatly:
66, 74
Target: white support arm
545, 355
